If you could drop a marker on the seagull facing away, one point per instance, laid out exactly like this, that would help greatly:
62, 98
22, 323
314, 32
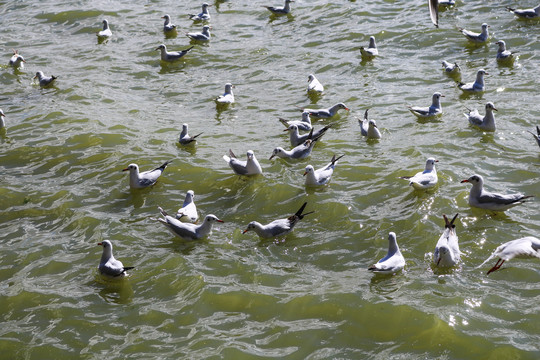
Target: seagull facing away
451, 68
427, 112
371, 51
369, 127
299, 152
185, 139
17, 61
393, 261
276, 10
476, 86
326, 113
108, 265
320, 176
188, 211
249, 167
478, 38
277, 227
504, 55
204, 35
168, 27
2, 120
537, 135
228, 96
314, 84
425, 179
147, 178
480, 198
45, 81
172, 55
297, 139
524, 248
202, 16
447, 252
525, 13
188, 231
106, 32
304, 124
487, 122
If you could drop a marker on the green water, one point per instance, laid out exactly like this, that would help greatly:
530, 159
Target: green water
233, 296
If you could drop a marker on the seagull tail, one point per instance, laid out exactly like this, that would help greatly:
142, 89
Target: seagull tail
334, 159
510, 9
284, 122
164, 165
163, 212
194, 137
231, 154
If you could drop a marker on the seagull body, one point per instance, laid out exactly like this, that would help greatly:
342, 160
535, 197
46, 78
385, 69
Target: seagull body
2, 120
504, 55
477, 37
304, 124
299, 152
249, 167
480, 198
426, 112
525, 13
476, 86
202, 16
204, 35
451, 68
280, 10
326, 113
524, 248
17, 61
188, 211
44, 81
185, 139
320, 176
487, 122
369, 127
393, 261
172, 55
168, 27
537, 135
228, 96
447, 252
106, 32
108, 265
146, 178
425, 179
277, 227
188, 231
314, 84
297, 139
371, 51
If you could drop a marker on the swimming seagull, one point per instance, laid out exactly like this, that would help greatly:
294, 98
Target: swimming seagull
476, 86
525, 13
447, 252
476, 37
483, 122
249, 167
424, 179
185, 139
326, 113
537, 136
172, 55
302, 151
320, 176
188, 211
426, 112
2, 120
480, 198
371, 51
314, 84
204, 15
44, 81
108, 265
451, 68
146, 178
106, 32
526, 247
188, 231
17, 61
228, 96
200, 36
277, 227
393, 261
304, 124
504, 55
297, 139
280, 10
369, 127
168, 27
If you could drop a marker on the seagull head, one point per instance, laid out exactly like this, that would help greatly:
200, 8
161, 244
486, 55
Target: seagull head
211, 218
250, 154
250, 227
310, 78
276, 151
161, 47
309, 169
39, 75
490, 106
430, 163
131, 167
474, 180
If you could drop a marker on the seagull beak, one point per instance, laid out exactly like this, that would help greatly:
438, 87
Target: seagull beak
286, 129
464, 181
495, 109
486, 74
305, 173
245, 231
347, 108
126, 169
272, 156
220, 221
100, 244
436, 160
438, 261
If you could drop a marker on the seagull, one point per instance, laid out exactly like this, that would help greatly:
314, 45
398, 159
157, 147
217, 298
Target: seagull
167, 26
146, 178
426, 112
320, 176
17, 61
477, 37
447, 252
537, 135
371, 51
108, 265
277, 227
188, 211
44, 81
393, 261
2, 120
106, 32
172, 55
326, 113
204, 15
425, 179
480, 198
188, 231
185, 139
249, 167
504, 55
434, 12
369, 127
476, 86
297, 139
525, 13
280, 10
451, 68
314, 84
228, 96
299, 152
487, 122
200, 36
304, 124
526, 247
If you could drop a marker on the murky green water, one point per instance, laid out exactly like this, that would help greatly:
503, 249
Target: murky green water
234, 296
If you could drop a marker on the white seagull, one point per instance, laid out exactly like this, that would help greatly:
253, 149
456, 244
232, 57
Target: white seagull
393, 261
425, 179
476, 86
480, 198
524, 248
504, 55
447, 252
525, 13
249, 167
320, 176
486, 122
202, 16
297, 139
168, 27
537, 135
426, 112
326, 113
304, 124
188, 231
476, 37
184, 138
451, 68
371, 51
188, 211
146, 178
280, 10
106, 32
314, 84
17, 61
44, 81
172, 55
369, 127
300, 152
2, 120
228, 96
108, 265
277, 227
204, 35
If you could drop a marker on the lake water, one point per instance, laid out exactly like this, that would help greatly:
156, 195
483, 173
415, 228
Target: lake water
233, 296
